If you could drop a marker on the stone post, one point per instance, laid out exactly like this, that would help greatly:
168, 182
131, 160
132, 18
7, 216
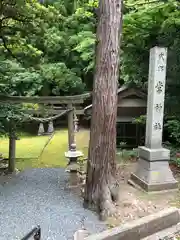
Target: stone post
41, 129
70, 126
76, 129
12, 148
153, 172
50, 128
12, 154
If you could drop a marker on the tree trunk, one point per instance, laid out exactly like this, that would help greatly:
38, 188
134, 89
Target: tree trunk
101, 188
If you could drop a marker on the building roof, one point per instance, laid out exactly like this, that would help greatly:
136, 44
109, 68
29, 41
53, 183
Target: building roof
126, 91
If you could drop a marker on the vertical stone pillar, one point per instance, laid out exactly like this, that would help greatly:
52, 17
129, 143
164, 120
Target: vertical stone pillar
70, 126
12, 148
75, 123
153, 172
41, 129
50, 127
12, 154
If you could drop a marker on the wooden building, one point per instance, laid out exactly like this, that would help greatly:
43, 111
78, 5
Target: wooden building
131, 104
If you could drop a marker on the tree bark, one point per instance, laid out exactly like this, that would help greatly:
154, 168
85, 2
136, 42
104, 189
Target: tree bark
102, 188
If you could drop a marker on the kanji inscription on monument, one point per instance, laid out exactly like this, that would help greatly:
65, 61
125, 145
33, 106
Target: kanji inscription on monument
162, 56
159, 87
161, 68
157, 126
158, 107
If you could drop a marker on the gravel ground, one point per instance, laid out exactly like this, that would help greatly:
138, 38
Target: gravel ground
39, 196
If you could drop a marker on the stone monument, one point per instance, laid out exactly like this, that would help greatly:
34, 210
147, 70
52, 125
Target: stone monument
153, 172
41, 129
50, 128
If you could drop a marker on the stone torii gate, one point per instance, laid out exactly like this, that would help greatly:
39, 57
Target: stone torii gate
69, 101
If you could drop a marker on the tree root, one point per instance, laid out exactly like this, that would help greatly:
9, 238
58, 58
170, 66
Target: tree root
114, 189
110, 195
105, 198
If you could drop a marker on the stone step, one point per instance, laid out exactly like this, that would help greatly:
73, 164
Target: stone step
142, 227
167, 233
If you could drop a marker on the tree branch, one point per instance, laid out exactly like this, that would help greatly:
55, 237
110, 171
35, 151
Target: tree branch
6, 47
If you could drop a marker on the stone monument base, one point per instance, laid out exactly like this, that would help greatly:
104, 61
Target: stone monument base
153, 172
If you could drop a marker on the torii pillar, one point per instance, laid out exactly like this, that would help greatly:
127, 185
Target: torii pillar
71, 137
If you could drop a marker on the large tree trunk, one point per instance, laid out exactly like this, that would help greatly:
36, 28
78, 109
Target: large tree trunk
101, 188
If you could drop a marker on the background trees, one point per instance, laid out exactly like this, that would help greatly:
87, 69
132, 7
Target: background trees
47, 47
39, 35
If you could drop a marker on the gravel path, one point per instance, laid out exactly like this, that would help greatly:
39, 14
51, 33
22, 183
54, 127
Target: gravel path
38, 196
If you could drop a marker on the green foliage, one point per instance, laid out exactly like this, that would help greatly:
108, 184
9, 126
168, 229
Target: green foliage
17, 80
124, 155
48, 47
34, 39
140, 120
173, 128
60, 80
63, 33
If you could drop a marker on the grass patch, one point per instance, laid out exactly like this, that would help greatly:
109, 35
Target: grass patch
125, 156
28, 149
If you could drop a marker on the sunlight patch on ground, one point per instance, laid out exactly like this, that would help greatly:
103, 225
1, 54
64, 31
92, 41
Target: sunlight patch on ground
29, 148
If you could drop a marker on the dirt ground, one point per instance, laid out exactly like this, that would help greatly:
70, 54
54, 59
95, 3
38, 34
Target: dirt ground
135, 204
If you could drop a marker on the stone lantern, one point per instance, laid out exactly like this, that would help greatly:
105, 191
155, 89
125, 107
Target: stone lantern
50, 128
73, 156
41, 129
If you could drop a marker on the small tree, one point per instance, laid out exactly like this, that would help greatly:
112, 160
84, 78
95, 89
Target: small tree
101, 188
